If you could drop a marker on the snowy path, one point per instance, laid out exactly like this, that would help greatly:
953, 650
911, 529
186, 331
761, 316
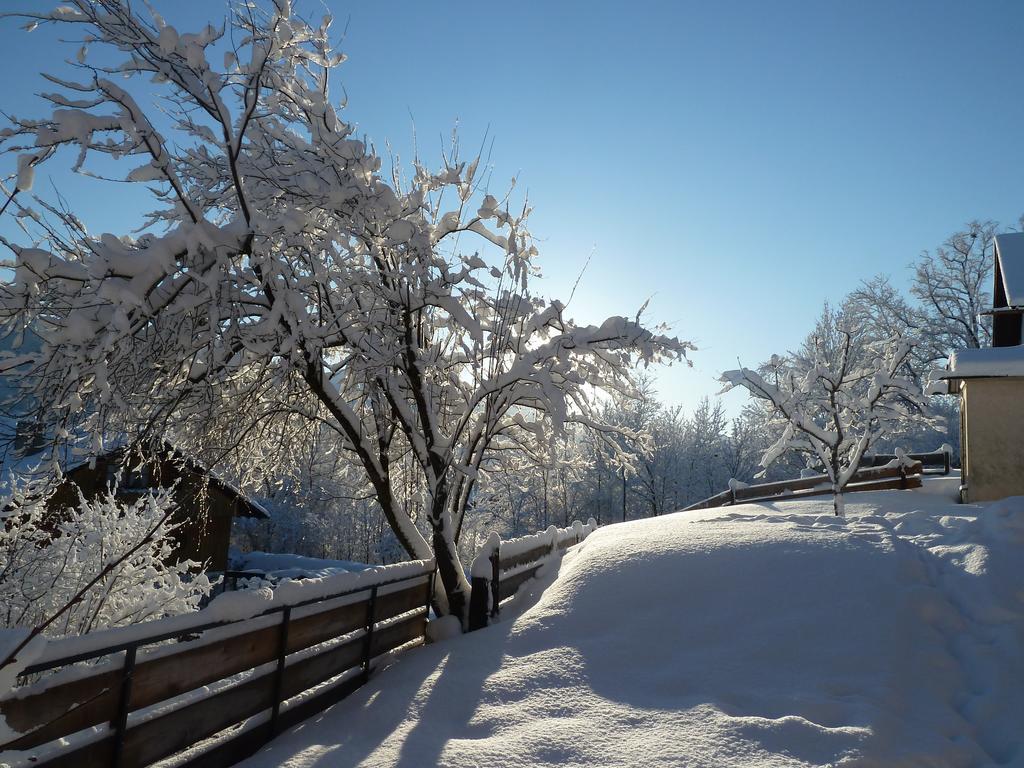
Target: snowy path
745, 636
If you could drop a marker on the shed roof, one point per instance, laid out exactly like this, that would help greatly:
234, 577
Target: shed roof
36, 465
1009, 269
984, 363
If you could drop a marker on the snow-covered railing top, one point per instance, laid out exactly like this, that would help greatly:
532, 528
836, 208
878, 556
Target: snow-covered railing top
897, 473
500, 568
226, 608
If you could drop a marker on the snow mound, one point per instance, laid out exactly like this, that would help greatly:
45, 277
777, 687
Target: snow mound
769, 634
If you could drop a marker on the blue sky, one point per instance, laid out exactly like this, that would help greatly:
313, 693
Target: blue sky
739, 163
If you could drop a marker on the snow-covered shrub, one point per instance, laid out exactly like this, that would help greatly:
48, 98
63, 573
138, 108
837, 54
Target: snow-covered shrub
836, 402
105, 563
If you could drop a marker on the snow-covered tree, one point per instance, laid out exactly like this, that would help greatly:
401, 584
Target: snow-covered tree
283, 278
949, 291
835, 402
952, 284
105, 563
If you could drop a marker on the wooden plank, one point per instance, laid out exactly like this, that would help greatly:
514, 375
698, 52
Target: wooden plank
70, 707
232, 750
763, 491
937, 461
163, 736
886, 485
63, 709
399, 633
308, 707
305, 673
249, 742
529, 556
319, 627
767, 489
326, 625
712, 501
875, 485
175, 674
178, 730
510, 584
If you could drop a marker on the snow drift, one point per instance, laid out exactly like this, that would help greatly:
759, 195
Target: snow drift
753, 635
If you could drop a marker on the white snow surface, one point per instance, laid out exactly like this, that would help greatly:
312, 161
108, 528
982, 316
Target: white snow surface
287, 566
987, 361
769, 634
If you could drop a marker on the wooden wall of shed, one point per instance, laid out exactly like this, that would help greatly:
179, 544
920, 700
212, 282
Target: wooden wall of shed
1006, 329
204, 511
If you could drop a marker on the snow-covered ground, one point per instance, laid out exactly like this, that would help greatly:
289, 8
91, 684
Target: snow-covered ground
285, 566
768, 635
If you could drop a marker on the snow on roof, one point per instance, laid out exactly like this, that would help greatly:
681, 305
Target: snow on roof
986, 362
15, 466
1010, 261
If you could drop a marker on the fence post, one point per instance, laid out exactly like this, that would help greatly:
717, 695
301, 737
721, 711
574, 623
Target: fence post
121, 723
484, 583
495, 581
478, 598
371, 609
430, 591
282, 652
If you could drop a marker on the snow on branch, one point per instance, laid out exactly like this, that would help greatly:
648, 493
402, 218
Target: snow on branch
836, 403
283, 278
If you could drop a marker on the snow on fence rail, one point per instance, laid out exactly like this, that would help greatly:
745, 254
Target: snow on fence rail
237, 678
501, 567
900, 475
934, 462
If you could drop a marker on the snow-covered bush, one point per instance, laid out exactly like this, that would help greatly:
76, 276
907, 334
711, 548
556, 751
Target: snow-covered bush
105, 563
836, 402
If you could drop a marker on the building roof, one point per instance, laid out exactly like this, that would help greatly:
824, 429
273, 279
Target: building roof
1009, 270
984, 363
38, 464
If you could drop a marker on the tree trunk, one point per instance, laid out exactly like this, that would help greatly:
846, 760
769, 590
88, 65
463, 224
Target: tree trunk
451, 596
453, 578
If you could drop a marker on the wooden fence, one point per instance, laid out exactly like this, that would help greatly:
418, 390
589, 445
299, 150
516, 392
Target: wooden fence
229, 687
502, 567
871, 479
933, 463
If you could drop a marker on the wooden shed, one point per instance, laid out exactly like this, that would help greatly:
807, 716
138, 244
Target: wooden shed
990, 383
206, 504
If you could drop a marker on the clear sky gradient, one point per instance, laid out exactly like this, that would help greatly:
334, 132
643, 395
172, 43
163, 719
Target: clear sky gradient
739, 163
